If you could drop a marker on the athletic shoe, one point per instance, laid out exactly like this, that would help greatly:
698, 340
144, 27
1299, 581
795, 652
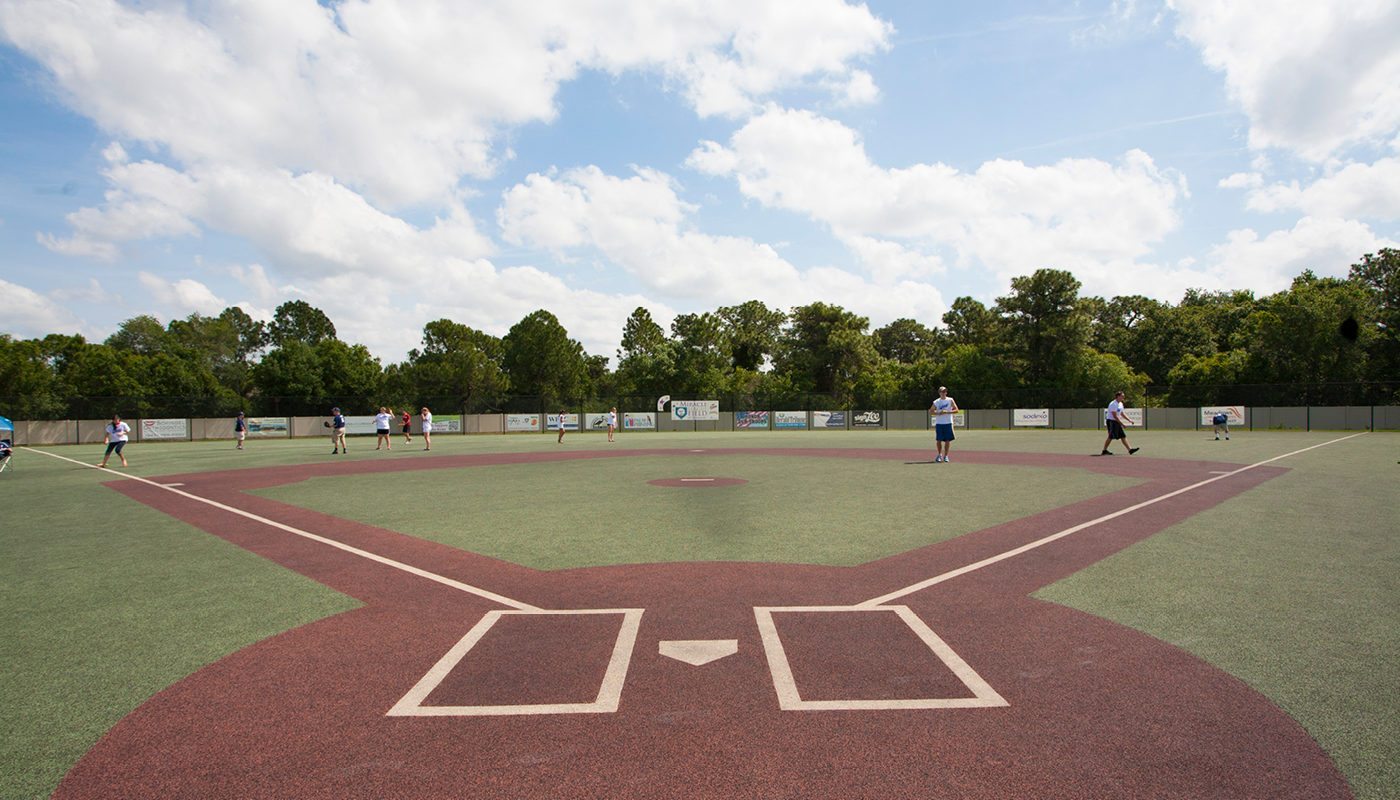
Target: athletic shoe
1105, 453
1217, 438
1132, 450
335, 452
1227, 438
938, 459
946, 459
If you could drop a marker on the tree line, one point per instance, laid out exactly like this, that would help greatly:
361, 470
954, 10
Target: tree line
1321, 341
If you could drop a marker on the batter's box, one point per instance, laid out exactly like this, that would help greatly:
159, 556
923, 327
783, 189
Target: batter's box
532, 662
865, 659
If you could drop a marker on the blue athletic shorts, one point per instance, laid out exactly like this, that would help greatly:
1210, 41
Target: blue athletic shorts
943, 432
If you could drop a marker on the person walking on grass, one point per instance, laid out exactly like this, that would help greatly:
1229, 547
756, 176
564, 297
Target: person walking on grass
240, 429
1114, 419
943, 409
427, 417
407, 424
612, 423
382, 421
117, 434
337, 426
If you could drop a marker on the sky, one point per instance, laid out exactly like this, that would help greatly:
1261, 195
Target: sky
393, 162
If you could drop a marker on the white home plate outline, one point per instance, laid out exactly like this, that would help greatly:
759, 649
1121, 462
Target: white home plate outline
609, 693
984, 696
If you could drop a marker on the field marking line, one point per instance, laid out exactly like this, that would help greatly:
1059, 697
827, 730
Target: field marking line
789, 699
609, 696
422, 573
937, 579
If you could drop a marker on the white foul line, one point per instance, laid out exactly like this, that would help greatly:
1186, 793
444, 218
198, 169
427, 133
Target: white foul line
422, 573
921, 585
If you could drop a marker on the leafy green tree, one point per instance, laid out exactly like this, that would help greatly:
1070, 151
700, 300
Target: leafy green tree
646, 361
299, 321
290, 372
1203, 380
1045, 326
751, 330
541, 359
1161, 339
906, 341
825, 348
225, 344
1379, 275
1221, 313
1096, 376
701, 354
27, 383
349, 372
978, 378
143, 334
459, 362
1293, 337
970, 322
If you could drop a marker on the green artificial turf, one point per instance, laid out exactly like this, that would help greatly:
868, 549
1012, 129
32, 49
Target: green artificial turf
104, 602
1293, 587
555, 515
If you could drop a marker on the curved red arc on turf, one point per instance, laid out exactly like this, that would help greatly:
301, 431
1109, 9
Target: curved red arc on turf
1095, 709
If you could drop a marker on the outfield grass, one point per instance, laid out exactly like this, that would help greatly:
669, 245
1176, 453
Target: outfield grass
1291, 586
104, 602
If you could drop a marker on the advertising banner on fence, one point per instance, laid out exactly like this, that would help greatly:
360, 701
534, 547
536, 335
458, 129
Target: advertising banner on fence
1134, 416
695, 410
751, 420
268, 426
569, 421
868, 419
828, 419
1031, 417
1235, 413
639, 422
452, 424
152, 429
596, 422
360, 425
522, 422
959, 419
790, 420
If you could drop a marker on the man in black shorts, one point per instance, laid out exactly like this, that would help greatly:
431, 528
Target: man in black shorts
1114, 420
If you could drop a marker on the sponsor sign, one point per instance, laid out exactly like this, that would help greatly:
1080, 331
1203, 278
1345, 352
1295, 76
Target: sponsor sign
1134, 416
1235, 413
152, 429
695, 410
790, 420
662, 401
452, 424
596, 422
522, 422
959, 420
868, 419
751, 420
639, 422
267, 426
569, 421
1031, 417
828, 419
360, 425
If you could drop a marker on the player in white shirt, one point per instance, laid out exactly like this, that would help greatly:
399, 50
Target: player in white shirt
427, 428
382, 422
1114, 420
943, 409
117, 434
612, 423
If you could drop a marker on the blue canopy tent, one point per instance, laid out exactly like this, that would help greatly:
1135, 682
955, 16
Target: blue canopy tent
7, 435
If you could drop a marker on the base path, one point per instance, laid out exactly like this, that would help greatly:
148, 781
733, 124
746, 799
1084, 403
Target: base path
704, 680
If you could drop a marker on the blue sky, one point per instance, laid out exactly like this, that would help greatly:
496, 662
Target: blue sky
397, 162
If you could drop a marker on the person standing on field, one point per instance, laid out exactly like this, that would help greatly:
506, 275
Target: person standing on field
612, 423
427, 427
337, 426
117, 434
382, 421
943, 409
561, 428
407, 424
240, 429
1114, 420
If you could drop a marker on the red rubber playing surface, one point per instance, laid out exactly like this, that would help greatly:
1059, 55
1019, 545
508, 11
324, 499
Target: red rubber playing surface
1093, 709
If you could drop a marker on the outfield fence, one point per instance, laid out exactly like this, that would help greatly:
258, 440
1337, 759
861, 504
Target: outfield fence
774, 421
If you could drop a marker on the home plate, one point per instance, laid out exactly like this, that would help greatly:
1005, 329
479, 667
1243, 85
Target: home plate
699, 652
